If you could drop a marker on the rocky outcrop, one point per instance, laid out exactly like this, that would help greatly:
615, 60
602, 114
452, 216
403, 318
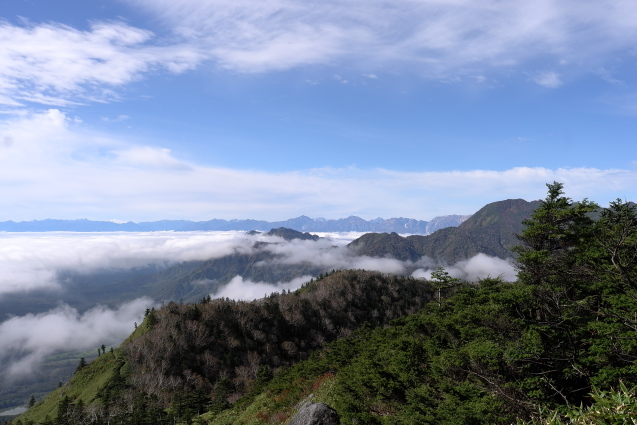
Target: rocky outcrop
315, 414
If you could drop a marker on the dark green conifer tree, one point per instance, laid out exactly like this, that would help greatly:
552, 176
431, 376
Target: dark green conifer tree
81, 365
555, 261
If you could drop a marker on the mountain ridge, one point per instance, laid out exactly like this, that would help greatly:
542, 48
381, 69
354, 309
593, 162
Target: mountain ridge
491, 230
302, 224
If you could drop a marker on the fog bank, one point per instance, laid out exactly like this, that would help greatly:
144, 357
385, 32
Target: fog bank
31, 261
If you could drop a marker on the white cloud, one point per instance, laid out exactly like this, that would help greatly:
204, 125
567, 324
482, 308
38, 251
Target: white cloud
52, 167
328, 255
149, 156
340, 79
26, 340
32, 261
119, 118
548, 79
55, 64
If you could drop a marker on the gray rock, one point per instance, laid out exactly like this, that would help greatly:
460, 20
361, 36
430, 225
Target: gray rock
315, 414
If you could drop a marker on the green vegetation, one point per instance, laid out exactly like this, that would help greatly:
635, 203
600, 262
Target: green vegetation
558, 346
617, 406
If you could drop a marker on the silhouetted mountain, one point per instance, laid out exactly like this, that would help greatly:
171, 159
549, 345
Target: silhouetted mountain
289, 234
492, 231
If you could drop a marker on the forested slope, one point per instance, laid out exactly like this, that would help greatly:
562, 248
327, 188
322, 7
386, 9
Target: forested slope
184, 353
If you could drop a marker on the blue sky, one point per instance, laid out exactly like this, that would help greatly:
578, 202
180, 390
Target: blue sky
199, 109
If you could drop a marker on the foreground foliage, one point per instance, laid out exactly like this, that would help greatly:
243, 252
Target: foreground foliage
609, 407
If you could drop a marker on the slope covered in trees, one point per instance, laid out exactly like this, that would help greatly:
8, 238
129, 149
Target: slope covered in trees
205, 355
455, 353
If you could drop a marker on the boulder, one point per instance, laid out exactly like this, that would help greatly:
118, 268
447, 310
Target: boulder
315, 414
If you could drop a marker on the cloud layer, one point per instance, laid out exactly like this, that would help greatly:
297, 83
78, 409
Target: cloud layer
323, 254
52, 167
33, 261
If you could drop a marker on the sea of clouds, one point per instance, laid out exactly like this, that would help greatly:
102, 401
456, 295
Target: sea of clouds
34, 261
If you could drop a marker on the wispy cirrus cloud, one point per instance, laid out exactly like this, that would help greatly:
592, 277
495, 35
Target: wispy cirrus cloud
59, 65
52, 167
549, 79
55, 64
434, 38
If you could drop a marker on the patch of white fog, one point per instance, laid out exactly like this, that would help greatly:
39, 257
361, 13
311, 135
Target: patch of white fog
14, 411
27, 340
247, 290
478, 267
324, 253
339, 238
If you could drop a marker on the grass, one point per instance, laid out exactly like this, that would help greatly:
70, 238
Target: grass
84, 385
269, 408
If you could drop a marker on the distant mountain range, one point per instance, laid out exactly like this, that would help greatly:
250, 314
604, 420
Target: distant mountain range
302, 224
